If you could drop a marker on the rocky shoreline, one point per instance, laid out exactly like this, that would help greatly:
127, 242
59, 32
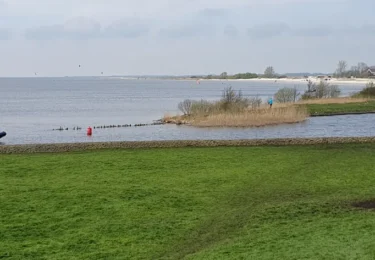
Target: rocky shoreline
78, 147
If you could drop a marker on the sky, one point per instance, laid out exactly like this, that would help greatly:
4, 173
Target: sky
182, 37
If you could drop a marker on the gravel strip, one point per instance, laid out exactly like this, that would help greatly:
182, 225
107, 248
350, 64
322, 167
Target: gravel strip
74, 147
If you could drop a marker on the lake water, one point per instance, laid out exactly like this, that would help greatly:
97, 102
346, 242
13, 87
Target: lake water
31, 107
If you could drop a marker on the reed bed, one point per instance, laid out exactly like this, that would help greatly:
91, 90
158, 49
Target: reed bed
253, 118
235, 110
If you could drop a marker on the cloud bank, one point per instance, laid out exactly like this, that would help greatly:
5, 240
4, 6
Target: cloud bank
182, 36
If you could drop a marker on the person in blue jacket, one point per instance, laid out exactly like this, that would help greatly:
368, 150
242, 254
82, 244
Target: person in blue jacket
270, 102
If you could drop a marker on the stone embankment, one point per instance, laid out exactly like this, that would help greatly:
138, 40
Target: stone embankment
74, 147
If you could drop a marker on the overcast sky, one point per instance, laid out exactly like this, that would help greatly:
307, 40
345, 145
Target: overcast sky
127, 37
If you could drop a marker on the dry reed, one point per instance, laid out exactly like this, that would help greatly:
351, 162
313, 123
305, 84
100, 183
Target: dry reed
253, 118
211, 114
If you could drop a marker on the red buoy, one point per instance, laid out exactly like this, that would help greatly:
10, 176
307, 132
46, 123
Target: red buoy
89, 131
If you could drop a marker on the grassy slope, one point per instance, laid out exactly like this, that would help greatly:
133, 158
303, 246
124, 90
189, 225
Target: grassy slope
328, 109
207, 203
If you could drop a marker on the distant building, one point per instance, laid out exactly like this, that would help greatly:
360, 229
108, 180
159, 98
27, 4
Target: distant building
371, 71
326, 77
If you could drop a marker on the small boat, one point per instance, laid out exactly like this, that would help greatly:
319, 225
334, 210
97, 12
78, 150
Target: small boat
2, 134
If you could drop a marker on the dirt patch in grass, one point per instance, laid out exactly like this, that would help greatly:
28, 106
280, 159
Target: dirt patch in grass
368, 204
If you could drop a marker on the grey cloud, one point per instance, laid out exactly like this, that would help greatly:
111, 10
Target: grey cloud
5, 34
325, 31
45, 32
77, 28
188, 30
83, 28
55, 32
3, 7
206, 22
230, 30
213, 13
268, 30
126, 29
312, 32
368, 28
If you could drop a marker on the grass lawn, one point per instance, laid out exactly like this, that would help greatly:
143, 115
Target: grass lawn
189, 203
329, 109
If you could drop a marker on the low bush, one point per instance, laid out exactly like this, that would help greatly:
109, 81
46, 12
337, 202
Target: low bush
367, 92
321, 90
231, 102
204, 107
286, 95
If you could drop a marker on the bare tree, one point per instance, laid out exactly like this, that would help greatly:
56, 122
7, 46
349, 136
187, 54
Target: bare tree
341, 68
362, 67
321, 90
286, 95
185, 106
269, 72
255, 102
311, 86
354, 71
325, 90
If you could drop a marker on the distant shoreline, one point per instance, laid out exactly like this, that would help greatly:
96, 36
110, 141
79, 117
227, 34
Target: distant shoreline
301, 80
359, 81
290, 80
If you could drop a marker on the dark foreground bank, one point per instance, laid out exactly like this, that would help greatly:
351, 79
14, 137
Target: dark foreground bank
73, 147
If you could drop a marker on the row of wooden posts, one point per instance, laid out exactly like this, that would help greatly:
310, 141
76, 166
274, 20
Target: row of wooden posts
76, 128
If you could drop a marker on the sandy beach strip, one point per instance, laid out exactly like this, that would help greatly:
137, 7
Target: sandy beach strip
357, 81
361, 82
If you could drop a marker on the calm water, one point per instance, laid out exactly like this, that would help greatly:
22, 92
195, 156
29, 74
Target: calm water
31, 107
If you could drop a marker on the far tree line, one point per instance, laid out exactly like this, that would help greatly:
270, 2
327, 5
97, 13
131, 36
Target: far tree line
268, 73
358, 71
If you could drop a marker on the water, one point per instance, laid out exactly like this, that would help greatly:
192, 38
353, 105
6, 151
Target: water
31, 107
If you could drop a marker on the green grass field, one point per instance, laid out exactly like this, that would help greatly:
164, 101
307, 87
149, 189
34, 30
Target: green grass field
189, 203
329, 109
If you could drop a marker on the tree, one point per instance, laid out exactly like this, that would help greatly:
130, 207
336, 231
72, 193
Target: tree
353, 72
321, 90
230, 96
269, 72
224, 75
325, 90
362, 67
233, 101
286, 95
185, 106
341, 68
310, 86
